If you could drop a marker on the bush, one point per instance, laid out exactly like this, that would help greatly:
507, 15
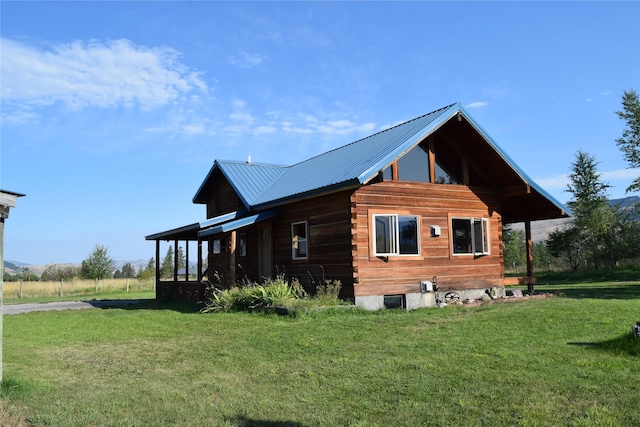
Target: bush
276, 292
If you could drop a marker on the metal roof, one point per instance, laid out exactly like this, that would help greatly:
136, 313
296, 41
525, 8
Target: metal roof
260, 186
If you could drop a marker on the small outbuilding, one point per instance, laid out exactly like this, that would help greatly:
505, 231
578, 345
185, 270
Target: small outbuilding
393, 216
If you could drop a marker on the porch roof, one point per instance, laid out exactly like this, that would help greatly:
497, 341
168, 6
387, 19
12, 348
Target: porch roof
220, 224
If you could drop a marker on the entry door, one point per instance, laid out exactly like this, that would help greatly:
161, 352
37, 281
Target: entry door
266, 260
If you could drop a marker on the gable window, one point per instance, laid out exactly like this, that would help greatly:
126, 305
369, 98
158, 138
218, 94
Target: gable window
470, 236
396, 235
299, 240
414, 166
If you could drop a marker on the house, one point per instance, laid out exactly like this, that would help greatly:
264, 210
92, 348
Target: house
395, 216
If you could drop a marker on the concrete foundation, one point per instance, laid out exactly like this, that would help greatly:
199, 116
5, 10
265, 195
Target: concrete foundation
429, 299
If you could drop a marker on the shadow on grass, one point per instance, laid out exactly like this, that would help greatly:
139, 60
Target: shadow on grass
146, 304
624, 344
597, 291
243, 421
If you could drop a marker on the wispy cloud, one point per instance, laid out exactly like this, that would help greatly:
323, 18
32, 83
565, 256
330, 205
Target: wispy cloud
247, 60
93, 74
562, 181
477, 104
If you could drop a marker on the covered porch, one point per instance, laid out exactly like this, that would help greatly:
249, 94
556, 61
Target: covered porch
216, 248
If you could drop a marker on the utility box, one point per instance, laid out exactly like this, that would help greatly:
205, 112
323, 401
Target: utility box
426, 286
435, 231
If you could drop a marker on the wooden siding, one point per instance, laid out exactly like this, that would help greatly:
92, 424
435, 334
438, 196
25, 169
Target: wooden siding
434, 204
221, 197
328, 241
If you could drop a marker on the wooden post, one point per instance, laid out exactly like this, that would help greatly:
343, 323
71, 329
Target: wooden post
175, 261
157, 279
96, 285
529, 254
432, 160
20, 296
61, 282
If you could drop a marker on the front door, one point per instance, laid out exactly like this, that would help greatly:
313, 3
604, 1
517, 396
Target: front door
265, 247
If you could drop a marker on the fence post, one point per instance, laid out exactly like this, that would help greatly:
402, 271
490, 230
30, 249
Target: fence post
20, 295
127, 285
61, 282
96, 285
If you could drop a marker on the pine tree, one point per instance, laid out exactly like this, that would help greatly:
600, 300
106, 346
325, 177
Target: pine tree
629, 143
593, 215
166, 269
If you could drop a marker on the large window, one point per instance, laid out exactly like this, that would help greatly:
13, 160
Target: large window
470, 236
396, 235
299, 240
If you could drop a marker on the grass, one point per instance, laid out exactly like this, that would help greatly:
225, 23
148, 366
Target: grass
555, 361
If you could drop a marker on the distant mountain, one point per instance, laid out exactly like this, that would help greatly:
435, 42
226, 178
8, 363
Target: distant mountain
625, 202
540, 229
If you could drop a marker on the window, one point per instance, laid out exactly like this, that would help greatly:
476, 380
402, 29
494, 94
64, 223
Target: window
414, 166
396, 235
470, 236
220, 246
242, 245
299, 240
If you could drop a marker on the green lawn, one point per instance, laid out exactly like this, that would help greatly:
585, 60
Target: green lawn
557, 361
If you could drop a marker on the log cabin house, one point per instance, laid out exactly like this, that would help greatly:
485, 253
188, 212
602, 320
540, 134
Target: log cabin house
398, 217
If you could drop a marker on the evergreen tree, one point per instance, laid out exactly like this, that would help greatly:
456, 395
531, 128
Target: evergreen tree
149, 271
166, 268
182, 259
593, 214
98, 265
629, 143
128, 270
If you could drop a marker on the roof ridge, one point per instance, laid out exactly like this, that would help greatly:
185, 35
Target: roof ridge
375, 134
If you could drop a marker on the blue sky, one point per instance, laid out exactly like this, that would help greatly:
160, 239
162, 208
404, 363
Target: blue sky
113, 112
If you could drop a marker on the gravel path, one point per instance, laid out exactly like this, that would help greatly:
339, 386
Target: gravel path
65, 305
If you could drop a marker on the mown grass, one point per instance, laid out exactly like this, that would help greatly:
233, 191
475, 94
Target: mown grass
555, 361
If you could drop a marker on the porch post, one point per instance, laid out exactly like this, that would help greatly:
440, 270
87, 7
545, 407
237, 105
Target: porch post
175, 261
232, 258
157, 278
529, 254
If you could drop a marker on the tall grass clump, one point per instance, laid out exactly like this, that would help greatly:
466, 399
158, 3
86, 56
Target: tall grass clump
75, 287
278, 292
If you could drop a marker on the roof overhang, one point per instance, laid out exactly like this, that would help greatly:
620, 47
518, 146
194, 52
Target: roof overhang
217, 225
238, 223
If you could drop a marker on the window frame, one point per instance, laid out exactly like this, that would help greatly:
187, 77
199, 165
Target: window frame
296, 241
395, 241
473, 224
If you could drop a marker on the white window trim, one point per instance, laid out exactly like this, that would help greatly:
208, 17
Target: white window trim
485, 230
294, 241
395, 243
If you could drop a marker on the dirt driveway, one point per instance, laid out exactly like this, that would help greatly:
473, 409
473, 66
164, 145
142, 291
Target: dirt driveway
65, 305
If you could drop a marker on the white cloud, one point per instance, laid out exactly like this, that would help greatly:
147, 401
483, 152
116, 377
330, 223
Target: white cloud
621, 174
477, 104
561, 181
606, 93
247, 60
83, 74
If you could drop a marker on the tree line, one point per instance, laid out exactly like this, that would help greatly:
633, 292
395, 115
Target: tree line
100, 265
601, 235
